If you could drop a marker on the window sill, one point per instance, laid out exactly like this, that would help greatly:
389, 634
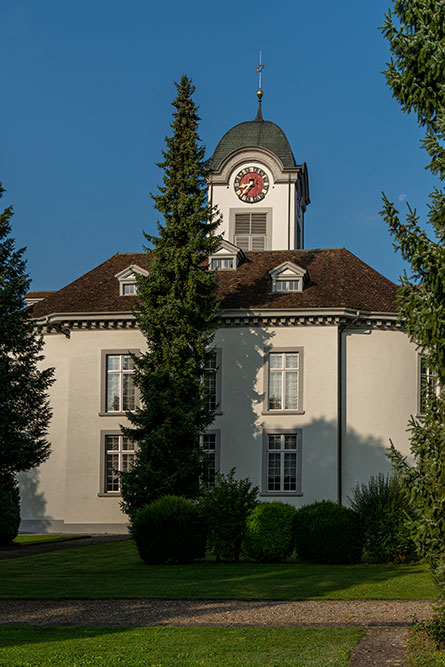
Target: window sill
112, 414
110, 494
280, 493
283, 412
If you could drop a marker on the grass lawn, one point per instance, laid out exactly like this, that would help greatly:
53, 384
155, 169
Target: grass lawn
35, 539
115, 570
178, 647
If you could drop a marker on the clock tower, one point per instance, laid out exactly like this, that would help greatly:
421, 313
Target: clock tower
258, 187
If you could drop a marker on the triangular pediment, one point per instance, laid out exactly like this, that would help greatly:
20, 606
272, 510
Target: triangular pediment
288, 277
130, 271
287, 270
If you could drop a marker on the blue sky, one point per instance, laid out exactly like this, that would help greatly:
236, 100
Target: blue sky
86, 92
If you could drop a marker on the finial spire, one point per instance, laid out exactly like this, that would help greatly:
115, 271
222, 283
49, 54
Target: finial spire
259, 94
259, 115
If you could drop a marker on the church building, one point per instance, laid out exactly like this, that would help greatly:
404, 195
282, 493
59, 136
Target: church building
313, 371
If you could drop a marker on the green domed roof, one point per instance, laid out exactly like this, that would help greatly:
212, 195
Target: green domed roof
261, 133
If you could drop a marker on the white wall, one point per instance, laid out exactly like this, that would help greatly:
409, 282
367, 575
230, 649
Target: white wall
68, 484
382, 382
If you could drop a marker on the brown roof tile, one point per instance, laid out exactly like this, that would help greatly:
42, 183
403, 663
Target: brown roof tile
337, 279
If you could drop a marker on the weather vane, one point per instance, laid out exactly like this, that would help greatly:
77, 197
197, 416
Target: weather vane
259, 69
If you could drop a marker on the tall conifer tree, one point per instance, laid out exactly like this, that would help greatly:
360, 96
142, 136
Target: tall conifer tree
178, 316
416, 75
24, 409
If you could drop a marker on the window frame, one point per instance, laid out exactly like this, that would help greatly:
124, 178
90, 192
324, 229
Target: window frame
237, 211
266, 372
217, 433
103, 493
128, 283
218, 380
429, 376
298, 432
223, 258
278, 282
103, 412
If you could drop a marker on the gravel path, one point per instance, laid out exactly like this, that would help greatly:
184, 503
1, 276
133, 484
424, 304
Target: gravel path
381, 647
212, 612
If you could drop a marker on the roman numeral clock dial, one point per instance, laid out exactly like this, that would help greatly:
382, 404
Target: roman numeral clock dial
251, 184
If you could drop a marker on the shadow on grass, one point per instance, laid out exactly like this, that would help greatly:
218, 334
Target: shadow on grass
12, 635
115, 571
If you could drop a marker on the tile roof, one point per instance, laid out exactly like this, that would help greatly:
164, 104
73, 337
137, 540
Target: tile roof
254, 133
336, 279
42, 294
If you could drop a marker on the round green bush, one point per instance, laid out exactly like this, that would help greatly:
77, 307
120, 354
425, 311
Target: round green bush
169, 530
326, 532
270, 532
10, 509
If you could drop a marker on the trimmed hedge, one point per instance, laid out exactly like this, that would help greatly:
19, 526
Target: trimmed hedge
326, 532
270, 532
10, 509
169, 530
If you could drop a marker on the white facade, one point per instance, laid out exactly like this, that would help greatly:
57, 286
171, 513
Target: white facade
379, 390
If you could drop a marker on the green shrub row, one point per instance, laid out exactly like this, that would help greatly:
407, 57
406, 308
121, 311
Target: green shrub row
229, 520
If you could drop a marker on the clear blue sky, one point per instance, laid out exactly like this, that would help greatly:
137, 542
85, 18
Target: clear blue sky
86, 92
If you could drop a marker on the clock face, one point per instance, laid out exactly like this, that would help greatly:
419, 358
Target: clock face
251, 184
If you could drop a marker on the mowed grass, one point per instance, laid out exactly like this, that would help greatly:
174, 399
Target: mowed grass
115, 570
36, 539
178, 646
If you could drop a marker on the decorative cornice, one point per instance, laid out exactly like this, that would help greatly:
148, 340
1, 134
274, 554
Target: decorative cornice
64, 323
311, 317
244, 154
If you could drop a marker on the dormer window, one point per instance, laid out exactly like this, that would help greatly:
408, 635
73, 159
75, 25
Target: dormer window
288, 277
128, 288
226, 258
287, 285
127, 280
222, 263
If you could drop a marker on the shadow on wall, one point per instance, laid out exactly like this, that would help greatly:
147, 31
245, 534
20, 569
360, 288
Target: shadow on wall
243, 359
32, 500
363, 456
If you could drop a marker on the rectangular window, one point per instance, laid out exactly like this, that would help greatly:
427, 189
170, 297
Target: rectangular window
287, 286
427, 380
212, 380
210, 446
222, 263
284, 369
282, 463
120, 388
119, 457
128, 288
251, 231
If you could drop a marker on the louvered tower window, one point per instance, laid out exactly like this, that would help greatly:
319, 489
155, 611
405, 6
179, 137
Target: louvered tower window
251, 231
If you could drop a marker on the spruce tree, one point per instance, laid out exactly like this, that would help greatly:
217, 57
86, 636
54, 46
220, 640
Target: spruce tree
24, 409
178, 316
416, 75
